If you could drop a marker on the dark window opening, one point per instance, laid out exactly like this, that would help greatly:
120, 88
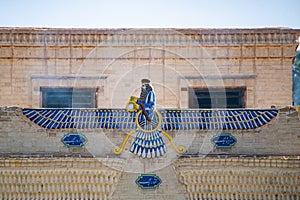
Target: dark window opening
68, 97
217, 97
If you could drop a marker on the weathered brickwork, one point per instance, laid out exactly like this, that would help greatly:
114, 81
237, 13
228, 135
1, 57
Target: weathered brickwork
238, 178
280, 137
114, 60
56, 179
35, 164
188, 178
21, 136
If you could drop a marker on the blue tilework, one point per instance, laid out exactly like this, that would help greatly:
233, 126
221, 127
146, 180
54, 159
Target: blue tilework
172, 119
148, 145
148, 181
224, 140
81, 118
74, 139
225, 119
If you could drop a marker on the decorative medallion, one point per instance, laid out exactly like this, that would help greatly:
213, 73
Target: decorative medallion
148, 181
224, 140
74, 139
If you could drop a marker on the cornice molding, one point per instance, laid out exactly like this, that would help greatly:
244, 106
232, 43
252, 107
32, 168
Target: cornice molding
49, 36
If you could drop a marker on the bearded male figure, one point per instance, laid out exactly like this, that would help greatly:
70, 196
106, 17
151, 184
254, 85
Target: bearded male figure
148, 142
147, 100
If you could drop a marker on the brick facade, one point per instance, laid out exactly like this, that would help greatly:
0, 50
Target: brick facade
35, 164
114, 61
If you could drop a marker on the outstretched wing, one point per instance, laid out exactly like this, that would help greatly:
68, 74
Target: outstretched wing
222, 119
81, 118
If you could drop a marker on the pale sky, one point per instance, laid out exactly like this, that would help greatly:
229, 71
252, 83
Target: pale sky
150, 13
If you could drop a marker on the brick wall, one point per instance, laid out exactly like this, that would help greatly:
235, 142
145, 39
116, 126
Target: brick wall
36, 164
189, 178
114, 60
20, 136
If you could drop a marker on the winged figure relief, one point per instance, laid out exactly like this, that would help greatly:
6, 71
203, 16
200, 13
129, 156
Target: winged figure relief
140, 117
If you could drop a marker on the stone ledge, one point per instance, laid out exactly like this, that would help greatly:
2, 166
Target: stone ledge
96, 36
57, 163
275, 161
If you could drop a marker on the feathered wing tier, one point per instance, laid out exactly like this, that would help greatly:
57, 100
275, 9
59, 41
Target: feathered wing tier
81, 118
224, 119
175, 119
148, 145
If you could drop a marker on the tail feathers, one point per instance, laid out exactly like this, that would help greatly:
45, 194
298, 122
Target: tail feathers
148, 145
